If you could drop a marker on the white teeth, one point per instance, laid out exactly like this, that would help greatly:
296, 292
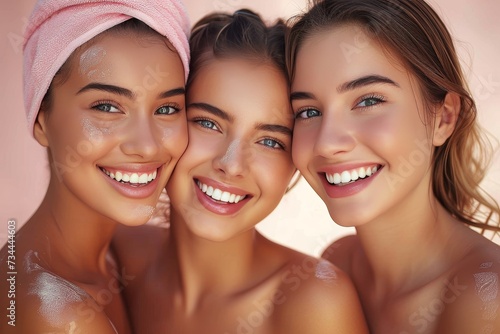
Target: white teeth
219, 195
144, 178
362, 172
133, 178
350, 176
225, 196
345, 176
210, 191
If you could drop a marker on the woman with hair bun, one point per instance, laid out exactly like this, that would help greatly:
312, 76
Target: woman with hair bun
212, 272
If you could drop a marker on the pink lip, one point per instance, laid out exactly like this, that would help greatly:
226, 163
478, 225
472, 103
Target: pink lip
334, 191
217, 207
133, 191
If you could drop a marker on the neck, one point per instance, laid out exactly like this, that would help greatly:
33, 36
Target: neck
72, 234
208, 268
409, 245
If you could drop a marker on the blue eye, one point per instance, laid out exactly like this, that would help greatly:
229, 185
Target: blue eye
370, 101
308, 113
167, 110
106, 107
207, 124
274, 144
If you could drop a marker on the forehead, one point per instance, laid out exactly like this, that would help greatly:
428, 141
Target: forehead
240, 85
343, 52
129, 60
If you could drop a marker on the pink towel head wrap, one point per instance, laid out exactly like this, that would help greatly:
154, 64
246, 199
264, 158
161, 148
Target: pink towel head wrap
57, 27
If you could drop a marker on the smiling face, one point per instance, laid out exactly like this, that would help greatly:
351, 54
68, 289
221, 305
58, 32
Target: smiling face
238, 162
359, 136
116, 126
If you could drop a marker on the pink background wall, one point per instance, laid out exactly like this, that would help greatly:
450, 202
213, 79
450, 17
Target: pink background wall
301, 221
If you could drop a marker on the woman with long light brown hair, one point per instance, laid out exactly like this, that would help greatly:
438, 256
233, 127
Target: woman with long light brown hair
386, 134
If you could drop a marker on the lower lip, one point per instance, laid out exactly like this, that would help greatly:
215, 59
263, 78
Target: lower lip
224, 209
130, 191
350, 189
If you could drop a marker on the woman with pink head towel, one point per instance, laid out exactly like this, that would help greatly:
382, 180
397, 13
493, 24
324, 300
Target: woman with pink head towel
104, 85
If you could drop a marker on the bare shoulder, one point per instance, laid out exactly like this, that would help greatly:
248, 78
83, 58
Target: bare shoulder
473, 293
133, 245
318, 297
340, 252
47, 303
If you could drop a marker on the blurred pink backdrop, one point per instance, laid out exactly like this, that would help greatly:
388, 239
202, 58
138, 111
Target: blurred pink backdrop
301, 221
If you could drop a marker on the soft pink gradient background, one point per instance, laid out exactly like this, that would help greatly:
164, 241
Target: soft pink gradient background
301, 221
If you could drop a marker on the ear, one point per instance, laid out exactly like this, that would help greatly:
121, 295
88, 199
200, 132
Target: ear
40, 129
446, 118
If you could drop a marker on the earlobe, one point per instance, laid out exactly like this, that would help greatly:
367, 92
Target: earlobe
39, 129
446, 118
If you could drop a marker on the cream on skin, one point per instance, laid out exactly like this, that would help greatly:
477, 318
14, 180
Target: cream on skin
90, 61
54, 292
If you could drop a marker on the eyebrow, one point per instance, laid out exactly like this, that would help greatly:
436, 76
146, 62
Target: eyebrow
213, 110
275, 128
347, 86
365, 81
126, 92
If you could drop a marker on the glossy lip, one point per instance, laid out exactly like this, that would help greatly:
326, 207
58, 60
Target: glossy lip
218, 207
134, 191
334, 191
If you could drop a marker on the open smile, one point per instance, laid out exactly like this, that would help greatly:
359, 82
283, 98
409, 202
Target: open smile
220, 195
350, 176
131, 178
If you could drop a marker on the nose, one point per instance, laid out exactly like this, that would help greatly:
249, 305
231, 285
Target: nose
233, 159
141, 138
335, 136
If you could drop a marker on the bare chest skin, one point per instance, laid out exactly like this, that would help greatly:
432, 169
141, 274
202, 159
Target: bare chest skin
415, 311
247, 312
466, 293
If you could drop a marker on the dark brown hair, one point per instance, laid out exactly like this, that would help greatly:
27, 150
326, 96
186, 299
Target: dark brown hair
242, 34
413, 32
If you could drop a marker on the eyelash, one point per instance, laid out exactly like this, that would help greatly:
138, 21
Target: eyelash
98, 104
377, 98
279, 143
174, 106
302, 110
199, 121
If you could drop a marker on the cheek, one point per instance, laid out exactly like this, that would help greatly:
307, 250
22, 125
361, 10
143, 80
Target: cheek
302, 147
175, 138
